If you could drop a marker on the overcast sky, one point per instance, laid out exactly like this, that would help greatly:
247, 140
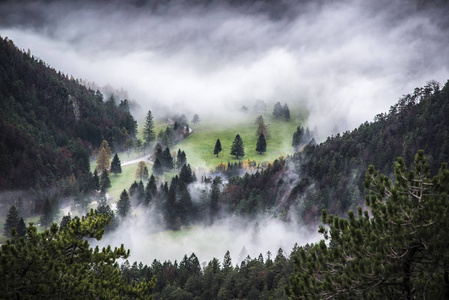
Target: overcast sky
345, 61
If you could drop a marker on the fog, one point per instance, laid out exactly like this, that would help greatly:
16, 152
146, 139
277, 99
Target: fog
147, 240
344, 61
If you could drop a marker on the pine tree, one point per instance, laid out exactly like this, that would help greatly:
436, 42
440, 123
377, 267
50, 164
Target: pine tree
214, 196
105, 182
277, 110
116, 166
259, 120
286, 112
60, 264
158, 170
397, 250
12, 221
185, 206
96, 181
21, 228
167, 159
138, 146
148, 129
123, 205
297, 138
48, 214
227, 263
237, 147
65, 221
181, 159
171, 209
186, 175
151, 189
217, 148
261, 144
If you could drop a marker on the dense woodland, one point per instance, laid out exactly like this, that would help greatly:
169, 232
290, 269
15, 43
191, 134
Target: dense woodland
51, 124
333, 172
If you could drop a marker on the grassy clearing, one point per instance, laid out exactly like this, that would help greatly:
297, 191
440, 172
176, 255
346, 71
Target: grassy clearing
122, 181
200, 145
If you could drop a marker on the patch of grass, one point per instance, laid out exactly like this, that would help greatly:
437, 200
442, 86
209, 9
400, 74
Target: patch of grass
122, 181
199, 146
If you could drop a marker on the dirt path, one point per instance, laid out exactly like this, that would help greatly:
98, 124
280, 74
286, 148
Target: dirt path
145, 158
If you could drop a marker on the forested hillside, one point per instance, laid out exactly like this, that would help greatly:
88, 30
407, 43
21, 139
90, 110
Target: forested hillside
50, 124
333, 172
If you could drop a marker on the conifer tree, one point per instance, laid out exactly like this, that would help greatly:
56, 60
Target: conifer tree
148, 130
157, 168
277, 110
96, 181
124, 205
181, 159
217, 148
21, 228
12, 221
60, 264
227, 263
286, 112
297, 138
397, 250
105, 182
65, 221
237, 147
214, 196
185, 204
261, 144
186, 175
116, 166
48, 214
167, 159
150, 189
259, 120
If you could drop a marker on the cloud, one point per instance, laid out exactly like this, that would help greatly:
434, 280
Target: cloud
146, 241
344, 61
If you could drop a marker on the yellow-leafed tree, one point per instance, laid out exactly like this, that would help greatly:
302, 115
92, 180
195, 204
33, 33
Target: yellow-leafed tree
103, 160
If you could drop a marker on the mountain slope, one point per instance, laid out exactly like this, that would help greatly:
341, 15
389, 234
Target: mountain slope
332, 173
50, 123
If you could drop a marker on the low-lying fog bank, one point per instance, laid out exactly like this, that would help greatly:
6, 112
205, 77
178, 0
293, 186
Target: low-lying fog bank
239, 237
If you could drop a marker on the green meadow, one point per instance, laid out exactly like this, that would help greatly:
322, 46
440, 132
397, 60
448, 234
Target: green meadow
199, 146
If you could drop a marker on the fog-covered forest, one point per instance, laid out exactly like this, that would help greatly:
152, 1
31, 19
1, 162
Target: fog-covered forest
224, 149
